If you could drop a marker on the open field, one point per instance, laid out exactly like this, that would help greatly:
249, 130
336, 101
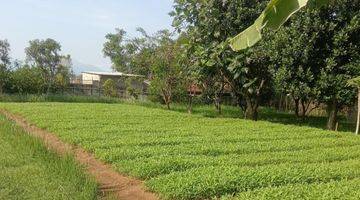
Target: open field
29, 171
315, 120
183, 156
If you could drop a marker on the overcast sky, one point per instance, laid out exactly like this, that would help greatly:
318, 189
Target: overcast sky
79, 25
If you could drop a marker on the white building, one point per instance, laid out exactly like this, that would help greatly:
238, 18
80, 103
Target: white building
96, 78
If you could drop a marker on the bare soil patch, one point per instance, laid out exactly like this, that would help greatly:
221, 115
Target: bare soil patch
112, 183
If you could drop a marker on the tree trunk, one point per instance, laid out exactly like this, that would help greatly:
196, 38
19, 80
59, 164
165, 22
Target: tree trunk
190, 104
167, 102
167, 98
251, 110
252, 114
296, 101
358, 114
303, 111
218, 104
281, 103
49, 86
217, 100
332, 109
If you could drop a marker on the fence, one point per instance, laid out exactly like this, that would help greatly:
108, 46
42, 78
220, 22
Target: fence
90, 90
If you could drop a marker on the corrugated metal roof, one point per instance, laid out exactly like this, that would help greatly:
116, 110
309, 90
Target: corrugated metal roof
112, 74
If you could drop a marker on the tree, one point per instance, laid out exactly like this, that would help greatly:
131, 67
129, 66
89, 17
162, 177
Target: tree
252, 78
27, 80
63, 74
166, 70
130, 55
355, 82
115, 50
210, 25
339, 46
295, 57
45, 54
4, 63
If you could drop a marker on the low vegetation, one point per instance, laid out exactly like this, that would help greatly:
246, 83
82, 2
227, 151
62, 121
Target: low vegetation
57, 98
29, 171
183, 156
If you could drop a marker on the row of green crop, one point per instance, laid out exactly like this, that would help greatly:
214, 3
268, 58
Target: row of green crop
208, 182
186, 157
333, 190
161, 165
214, 149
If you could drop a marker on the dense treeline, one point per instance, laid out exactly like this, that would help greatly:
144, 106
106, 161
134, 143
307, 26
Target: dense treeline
309, 60
44, 71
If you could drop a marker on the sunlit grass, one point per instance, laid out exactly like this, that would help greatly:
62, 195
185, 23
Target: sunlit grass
29, 171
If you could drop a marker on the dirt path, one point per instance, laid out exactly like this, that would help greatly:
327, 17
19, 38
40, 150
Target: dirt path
112, 184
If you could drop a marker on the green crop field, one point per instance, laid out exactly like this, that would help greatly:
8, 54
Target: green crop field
183, 156
29, 171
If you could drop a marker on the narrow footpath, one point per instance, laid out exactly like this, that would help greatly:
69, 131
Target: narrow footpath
111, 183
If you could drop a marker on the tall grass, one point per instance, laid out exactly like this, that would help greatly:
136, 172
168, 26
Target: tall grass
28, 170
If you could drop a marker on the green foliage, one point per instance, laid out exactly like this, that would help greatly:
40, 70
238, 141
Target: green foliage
4, 63
166, 69
338, 44
63, 74
209, 25
134, 86
27, 80
57, 98
297, 58
45, 55
130, 55
109, 88
177, 156
275, 14
115, 51
354, 82
316, 53
30, 171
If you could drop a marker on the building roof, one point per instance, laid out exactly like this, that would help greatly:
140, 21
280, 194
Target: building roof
111, 74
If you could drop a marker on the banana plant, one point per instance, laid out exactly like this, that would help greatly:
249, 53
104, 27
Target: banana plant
356, 83
275, 14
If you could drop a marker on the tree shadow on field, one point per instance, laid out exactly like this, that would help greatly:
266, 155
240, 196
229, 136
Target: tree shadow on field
320, 122
267, 114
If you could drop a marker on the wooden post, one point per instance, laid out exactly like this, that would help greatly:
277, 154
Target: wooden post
358, 114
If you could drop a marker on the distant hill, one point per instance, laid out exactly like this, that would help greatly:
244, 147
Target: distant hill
79, 67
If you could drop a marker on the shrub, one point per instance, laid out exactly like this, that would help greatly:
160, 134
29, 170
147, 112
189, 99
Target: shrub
110, 88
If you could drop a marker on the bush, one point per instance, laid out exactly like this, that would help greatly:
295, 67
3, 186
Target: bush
26, 80
110, 88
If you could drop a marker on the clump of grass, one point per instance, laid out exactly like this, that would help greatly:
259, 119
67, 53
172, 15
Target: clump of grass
28, 170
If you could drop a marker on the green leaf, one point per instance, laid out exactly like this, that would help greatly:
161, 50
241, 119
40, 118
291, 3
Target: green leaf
249, 37
354, 82
275, 14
